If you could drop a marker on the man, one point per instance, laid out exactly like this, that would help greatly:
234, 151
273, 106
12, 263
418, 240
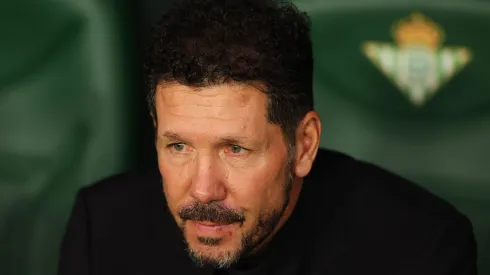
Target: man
243, 187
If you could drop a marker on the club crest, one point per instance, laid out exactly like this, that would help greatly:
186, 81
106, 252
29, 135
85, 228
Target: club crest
417, 63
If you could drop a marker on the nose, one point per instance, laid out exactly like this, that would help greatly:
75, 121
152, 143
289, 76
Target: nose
207, 185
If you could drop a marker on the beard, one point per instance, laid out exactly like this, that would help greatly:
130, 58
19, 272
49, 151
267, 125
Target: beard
217, 213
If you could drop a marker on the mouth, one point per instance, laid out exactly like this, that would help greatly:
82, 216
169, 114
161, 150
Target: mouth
212, 229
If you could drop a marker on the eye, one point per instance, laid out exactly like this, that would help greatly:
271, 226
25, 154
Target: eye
179, 147
235, 149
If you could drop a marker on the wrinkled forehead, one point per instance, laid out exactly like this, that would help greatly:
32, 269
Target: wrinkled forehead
218, 97
227, 109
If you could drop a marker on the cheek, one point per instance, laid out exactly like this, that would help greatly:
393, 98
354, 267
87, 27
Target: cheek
257, 191
175, 178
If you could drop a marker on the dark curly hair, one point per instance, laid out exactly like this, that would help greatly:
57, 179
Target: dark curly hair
264, 43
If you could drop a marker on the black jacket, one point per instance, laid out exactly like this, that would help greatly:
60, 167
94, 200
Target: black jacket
352, 218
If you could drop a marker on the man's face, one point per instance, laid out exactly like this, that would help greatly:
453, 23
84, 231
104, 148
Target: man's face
225, 168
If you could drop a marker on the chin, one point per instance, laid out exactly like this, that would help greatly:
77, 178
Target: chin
219, 247
214, 252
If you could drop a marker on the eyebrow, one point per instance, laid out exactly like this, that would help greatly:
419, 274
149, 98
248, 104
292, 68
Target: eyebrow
171, 135
223, 140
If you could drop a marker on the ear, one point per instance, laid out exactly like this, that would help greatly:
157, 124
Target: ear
307, 143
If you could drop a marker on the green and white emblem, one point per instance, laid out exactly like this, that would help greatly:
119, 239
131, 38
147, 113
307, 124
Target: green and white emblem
418, 64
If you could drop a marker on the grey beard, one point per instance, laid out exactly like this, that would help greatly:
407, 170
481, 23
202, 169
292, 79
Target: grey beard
266, 224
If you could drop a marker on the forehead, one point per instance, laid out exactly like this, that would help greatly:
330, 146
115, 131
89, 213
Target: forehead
222, 109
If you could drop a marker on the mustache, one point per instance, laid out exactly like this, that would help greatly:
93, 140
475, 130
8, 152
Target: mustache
210, 212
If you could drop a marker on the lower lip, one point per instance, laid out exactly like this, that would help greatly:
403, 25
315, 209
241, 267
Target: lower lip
212, 228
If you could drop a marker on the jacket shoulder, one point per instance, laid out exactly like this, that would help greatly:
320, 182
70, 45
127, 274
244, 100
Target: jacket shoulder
122, 188
386, 220
367, 186
120, 202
